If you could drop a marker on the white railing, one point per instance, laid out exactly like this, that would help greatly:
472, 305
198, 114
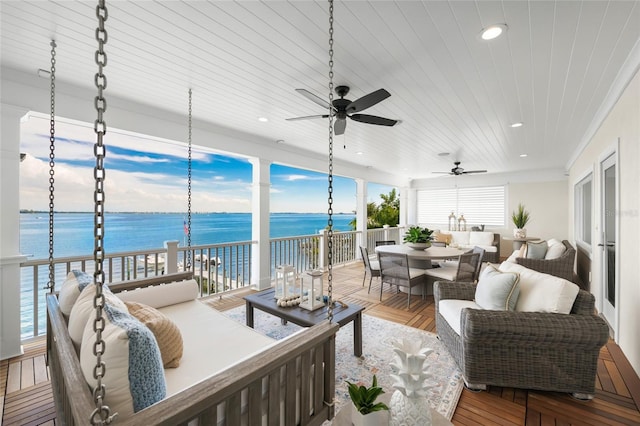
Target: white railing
217, 267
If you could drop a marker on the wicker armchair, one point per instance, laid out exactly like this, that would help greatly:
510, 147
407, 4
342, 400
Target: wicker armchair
530, 350
561, 267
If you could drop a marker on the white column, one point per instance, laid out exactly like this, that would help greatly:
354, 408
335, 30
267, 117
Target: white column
410, 207
260, 254
171, 258
10, 256
361, 213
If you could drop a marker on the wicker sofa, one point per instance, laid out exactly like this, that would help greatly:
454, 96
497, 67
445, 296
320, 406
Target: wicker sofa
560, 267
530, 350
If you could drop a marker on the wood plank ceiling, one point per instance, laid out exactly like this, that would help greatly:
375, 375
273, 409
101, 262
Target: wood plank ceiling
557, 68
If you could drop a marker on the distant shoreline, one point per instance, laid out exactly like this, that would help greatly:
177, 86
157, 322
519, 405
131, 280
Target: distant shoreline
90, 212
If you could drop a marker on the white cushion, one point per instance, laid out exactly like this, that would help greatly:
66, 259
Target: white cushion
460, 237
415, 272
83, 311
497, 290
71, 288
448, 273
555, 250
375, 265
553, 241
158, 296
542, 292
134, 376
451, 309
481, 238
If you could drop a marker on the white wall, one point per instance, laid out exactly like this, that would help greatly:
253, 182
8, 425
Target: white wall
623, 125
547, 205
544, 195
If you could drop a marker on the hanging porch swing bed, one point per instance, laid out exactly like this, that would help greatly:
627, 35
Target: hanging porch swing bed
229, 374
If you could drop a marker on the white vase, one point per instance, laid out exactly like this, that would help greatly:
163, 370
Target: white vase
405, 411
520, 233
377, 418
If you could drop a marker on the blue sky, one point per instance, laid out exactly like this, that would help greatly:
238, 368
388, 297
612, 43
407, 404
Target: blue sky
149, 174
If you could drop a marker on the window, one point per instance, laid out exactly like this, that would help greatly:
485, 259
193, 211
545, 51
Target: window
583, 206
480, 206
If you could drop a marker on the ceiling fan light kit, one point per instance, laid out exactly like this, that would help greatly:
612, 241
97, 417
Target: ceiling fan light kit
345, 108
457, 170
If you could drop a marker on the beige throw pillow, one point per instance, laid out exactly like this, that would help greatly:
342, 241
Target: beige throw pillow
166, 332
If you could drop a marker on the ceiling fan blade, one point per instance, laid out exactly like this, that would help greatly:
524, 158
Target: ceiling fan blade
314, 98
339, 126
368, 100
308, 117
442, 173
373, 119
474, 171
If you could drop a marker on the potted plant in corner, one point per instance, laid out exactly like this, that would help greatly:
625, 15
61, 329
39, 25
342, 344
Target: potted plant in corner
366, 411
520, 219
418, 238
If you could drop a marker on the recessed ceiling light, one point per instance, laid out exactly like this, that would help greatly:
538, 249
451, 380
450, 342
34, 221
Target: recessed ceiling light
517, 124
263, 119
359, 153
493, 31
523, 155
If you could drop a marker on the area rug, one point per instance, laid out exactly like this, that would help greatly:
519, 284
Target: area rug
377, 349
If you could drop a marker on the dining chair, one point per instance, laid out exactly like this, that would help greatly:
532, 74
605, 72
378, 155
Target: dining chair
466, 269
372, 267
385, 243
454, 263
395, 270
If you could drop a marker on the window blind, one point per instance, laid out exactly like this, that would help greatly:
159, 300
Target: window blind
480, 205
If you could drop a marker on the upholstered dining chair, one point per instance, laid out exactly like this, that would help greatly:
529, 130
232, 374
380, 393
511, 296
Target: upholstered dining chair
454, 263
466, 269
395, 270
371, 267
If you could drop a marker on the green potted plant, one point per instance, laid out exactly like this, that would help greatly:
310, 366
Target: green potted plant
418, 238
520, 218
366, 411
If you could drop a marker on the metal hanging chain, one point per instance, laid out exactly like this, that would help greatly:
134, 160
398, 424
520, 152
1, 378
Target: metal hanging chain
51, 285
330, 189
101, 414
189, 186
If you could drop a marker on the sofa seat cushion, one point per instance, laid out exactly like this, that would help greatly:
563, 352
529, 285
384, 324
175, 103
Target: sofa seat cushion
481, 238
489, 249
451, 309
497, 290
460, 237
542, 292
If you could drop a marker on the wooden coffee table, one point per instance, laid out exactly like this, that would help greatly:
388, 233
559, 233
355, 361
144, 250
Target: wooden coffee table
266, 302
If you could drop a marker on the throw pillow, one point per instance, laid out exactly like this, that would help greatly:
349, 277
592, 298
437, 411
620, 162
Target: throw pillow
497, 290
133, 376
83, 310
71, 288
542, 292
443, 238
536, 250
165, 331
158, 296
555, 250
483, 238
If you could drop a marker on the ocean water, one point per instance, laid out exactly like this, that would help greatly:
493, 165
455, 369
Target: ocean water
73, 236
73, 232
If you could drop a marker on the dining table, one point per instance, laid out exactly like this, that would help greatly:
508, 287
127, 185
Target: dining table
422, 258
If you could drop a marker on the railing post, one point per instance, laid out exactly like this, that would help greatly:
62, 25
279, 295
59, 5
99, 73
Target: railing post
324, 249
171, 259
385, 230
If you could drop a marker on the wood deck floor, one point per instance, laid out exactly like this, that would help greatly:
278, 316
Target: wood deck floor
26, 399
